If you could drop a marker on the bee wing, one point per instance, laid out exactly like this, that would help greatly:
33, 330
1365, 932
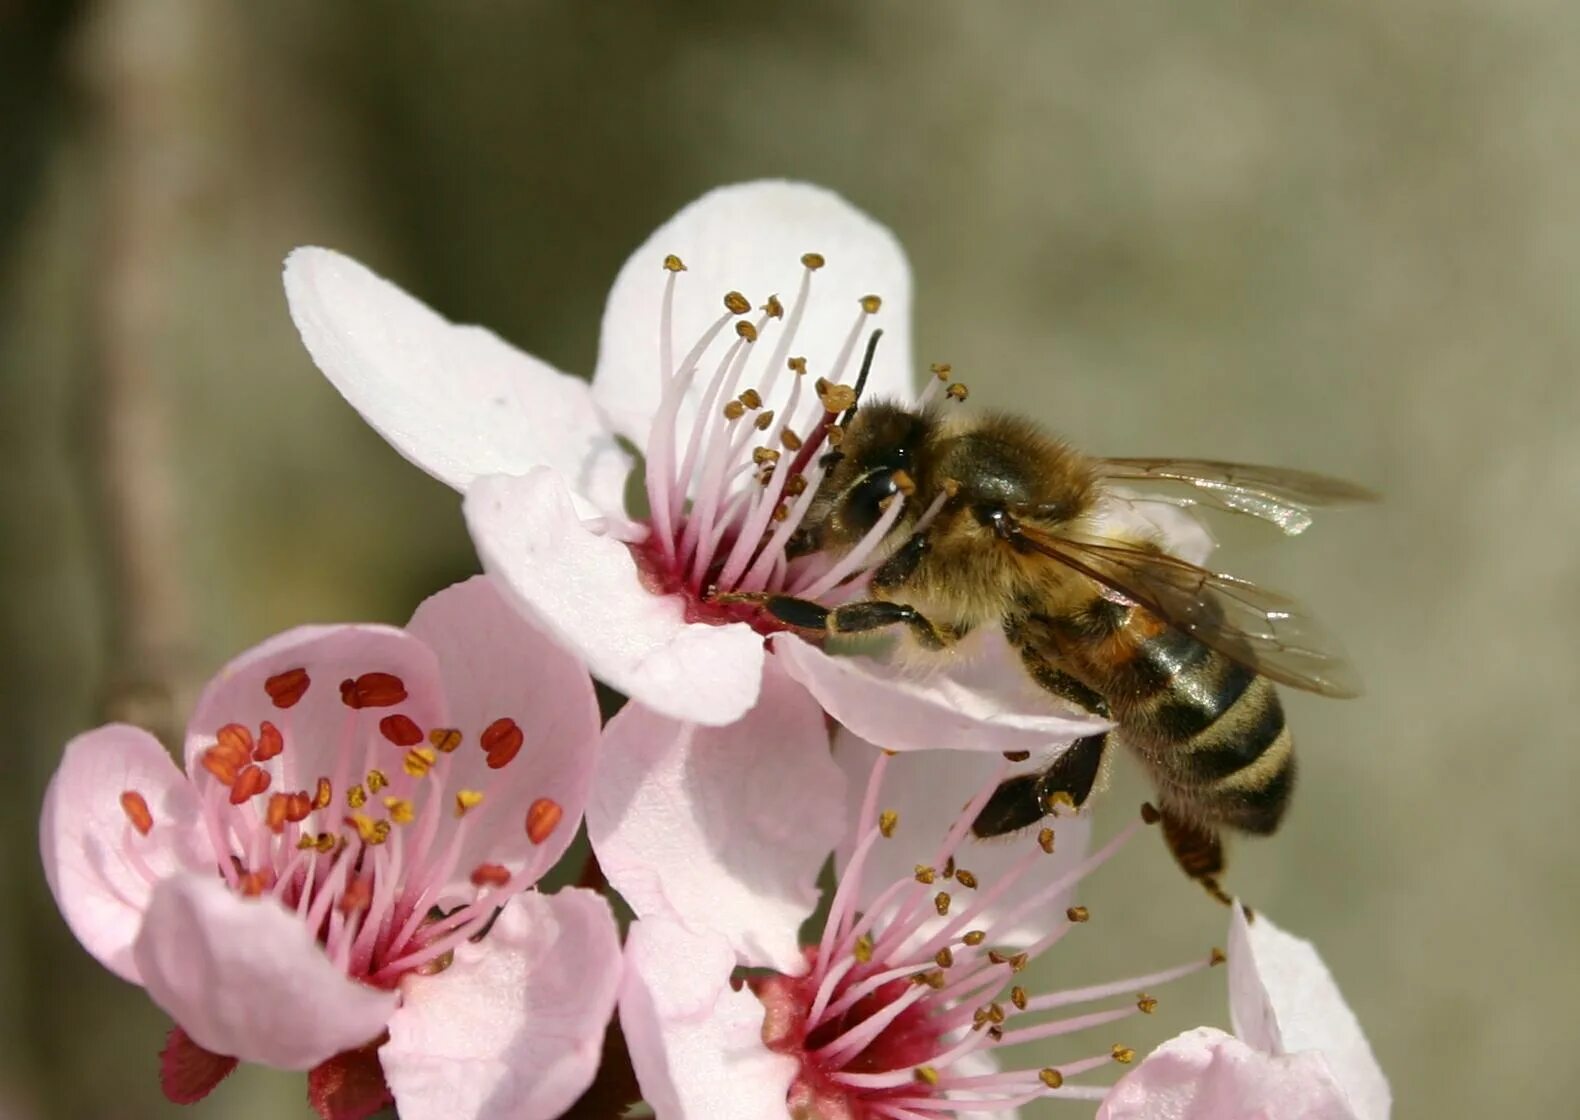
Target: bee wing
1277, 494
1261, 629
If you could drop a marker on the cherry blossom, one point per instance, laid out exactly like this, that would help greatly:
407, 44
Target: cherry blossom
340, 880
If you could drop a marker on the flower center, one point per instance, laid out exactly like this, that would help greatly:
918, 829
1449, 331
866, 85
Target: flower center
368, 853
903, 1004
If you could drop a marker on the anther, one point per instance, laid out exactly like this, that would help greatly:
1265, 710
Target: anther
250, 781
466, 800
418, 761
996, 1034
834, 436
325, 843
135, 806
746, 330
813, 261
373, 690
400, 809
235, 739
935, 979
1124, 1055
270, 742
949, 868
941, 903
400, 730
792, 442
358, 895
490, 875
1078, 913
501, 740
274, 815
543, 816
1019, 961
1216, 958
1016, 756
765, 421
356, 797
1059, 799
925, 874
1051, 1077
764, 455
797, 365
945, 957
736, 304
904, 483
957, 392
323, 794
1149, 814
887, 821
996, 1013
871, 304
781, 512
734, 410
927, 1075
377, 780
298, 806
774, 308
974, 937
835, 398
1017, 996
372, 832
863, 950
797, 484
1146, 1004
941, 370
254, 883
966, 879
1045, 840
751, 398
286, 688
444, 739
673, 263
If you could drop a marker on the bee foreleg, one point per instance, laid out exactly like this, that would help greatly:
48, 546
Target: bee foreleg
858, 618
899, 567
1198, 851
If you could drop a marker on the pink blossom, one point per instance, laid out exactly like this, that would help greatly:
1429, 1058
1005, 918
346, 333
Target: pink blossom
1297, 1053
901, 1007
339, 882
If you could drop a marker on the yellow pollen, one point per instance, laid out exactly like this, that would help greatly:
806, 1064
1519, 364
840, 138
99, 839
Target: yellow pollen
751, 398
966, 879
797, 484
904, 483
1216, 958
323, 795
924, 874
673, 263
1017, 996
400, 810
467, 800
304, 841
356, 797
974, 937
957, 392
1059, 799
1078, 913
941, 903
1052, 1078
746, 330
764, 455
781, 512
995, 1013
326, 843
419, 760
863, 950
813, 261
941, 370
734, 410
945, 957
927, 1075
870, 304
765, 421
1124, 1055
368, 828
1045, 840
835, 398
797, 365
774, 308
445, 739
792, 442
887, 821
376, 781
736, 304
1146, 1004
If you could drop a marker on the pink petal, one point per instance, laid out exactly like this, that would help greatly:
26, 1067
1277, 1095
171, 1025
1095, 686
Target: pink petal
457, 401
982, 700
721, 828
1283, 1000
318, 726
1137, 516
582, 587
94, 859
496, 665
927, 789
750, 238
696, 1042
514, 1027
1205, 1074
246, 979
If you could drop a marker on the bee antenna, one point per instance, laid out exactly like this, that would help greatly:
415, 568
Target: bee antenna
861, 378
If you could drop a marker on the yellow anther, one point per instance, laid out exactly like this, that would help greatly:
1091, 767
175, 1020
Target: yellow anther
925, 874
945, 957
372, 832
751, 398
797, 365
326, 843
420, 760
734, 410
764, 455
445, 739
1051, 1077
765, 421
904, 483
941, 903
774, 308
813, 261
376, 781
356, 797
1216, 958
467, 800
323, 795
949, 868
835, 398
927, 1075
863, 950
400, 810
941, 370
746, 330
792, 442
736, 304
673, 263
1045, 840
957, 391
887, 821
1078, 913
871, 304
1019, 961
995, 1013
1124, 1055
974, 937
1146, 1004
935, 979
1059, 799
304, 841
966, 879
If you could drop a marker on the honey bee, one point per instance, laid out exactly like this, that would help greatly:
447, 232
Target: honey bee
1000, 529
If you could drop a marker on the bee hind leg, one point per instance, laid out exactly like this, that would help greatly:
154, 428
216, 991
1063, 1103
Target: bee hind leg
858, 618
1025, 799
1198, 850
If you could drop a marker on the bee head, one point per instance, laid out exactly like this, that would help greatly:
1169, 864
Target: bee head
873, 464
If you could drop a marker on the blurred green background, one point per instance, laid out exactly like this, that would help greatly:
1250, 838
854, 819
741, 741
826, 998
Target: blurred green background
1340, 236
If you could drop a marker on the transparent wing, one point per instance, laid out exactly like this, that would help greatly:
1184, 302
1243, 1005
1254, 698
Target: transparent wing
1277, 494
1261, 629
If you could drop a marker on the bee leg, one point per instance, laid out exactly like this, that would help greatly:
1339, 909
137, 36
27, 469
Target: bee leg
1025, 799
1198, 851
858, 618
900, 566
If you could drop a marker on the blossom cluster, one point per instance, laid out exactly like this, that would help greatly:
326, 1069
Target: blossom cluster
345, 875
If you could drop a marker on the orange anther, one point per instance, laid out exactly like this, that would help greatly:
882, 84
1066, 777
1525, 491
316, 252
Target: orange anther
445, 739
298, 807
490, 875
323, 795
275, 815
501, 740
358, 895
270, 742
220, 763
373, 690
543, 817
400, 730
250, 781
254, 883
136, 809
236, 740
286, 688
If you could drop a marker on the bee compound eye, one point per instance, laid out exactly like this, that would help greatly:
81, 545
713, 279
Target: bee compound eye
866, 500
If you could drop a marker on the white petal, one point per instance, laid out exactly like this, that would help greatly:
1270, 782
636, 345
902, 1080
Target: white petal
515, 1026
1131, 515
244, 977
583, 588
750, 238
722, 828
457, 401
978, 701
928, 789
1283, 1000
695, 1042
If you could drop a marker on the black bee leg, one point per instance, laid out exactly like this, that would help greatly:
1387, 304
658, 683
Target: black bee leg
900, 566
1049, 676
858, 618
1025, 799
1198, 851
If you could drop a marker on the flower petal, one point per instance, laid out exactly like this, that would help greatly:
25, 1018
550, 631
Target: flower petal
750, 238
514, 1027
721, 828
1205, 1074
457, 401
94, 859
317, 725
583, 588
1132, 515
980, 700
927, 790
696, 1042
496, 665
244, 977
1283, 999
